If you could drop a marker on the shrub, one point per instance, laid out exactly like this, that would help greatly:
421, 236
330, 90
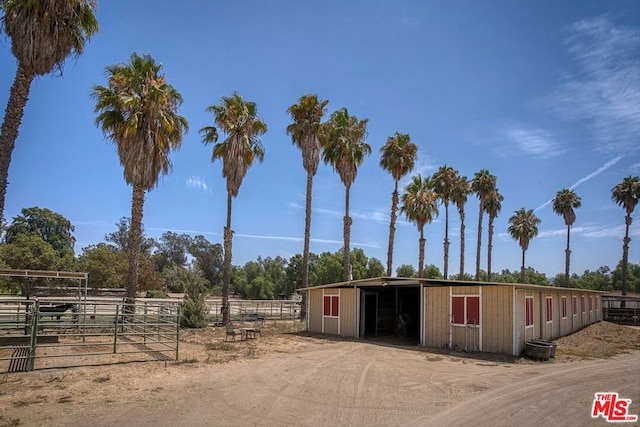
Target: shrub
156, 293
193, 308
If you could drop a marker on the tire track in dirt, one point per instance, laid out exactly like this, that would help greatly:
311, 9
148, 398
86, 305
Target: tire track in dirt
541, 399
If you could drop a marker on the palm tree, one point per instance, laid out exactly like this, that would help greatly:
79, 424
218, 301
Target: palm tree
239, 120
492, 205
563, 204
523, 227
307, 133
482, 184
461, 189
137, 111
626, 194
444, 181
398, 158
345, 151
43, 34
420, 206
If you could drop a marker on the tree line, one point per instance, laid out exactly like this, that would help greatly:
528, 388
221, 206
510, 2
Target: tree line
137, 110
40, 239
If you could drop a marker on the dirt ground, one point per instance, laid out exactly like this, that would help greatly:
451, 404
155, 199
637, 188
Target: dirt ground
289, 377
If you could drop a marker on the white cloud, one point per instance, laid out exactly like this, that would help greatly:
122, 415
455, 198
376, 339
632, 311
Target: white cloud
197, 183
587, 231
300, 239
376, 215
605, 92
533, 142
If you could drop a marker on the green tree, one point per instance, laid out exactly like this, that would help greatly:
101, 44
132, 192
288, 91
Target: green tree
374, 268
432, 272
107, 266
193, 310
307, 133
523, 227
208, 259
398, 158
50, 226
120, 237
564, 204
294, 272
459, 193
137, 111
600, 280
240, 121
43, 34
275, 273
492, 206
420, 206
445, 180
29, 252
345, 151
329, 268
406, 270
482, 184
626, 194
171, 250
632, 277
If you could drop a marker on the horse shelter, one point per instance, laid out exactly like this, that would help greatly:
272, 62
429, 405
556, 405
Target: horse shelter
461, 315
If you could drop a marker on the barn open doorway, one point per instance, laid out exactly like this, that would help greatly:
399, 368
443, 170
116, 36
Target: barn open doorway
390, 312
370, 314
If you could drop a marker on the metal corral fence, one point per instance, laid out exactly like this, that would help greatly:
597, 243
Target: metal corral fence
619, 309
45, 328
243, 309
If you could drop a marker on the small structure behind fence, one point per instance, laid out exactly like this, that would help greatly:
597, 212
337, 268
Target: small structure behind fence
47, 328
623, 310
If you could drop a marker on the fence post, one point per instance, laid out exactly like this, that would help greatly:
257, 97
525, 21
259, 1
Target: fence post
177, 331
35, 315
144, 324
115, 329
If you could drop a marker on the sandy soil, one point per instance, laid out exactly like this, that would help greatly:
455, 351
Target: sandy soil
286, 378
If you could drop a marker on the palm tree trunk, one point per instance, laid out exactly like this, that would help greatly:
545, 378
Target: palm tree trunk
522, 268
226, 266
18, 97
307, 237
392, 228
489, 248
346, 256
462, 228
421, 254
566, 261
479, 240
625, 254
135, 235
446, 240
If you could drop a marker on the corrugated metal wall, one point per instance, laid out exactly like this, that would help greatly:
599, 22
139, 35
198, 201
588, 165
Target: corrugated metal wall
344, 324
497, 319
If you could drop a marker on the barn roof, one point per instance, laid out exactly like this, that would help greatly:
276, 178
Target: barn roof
414, 281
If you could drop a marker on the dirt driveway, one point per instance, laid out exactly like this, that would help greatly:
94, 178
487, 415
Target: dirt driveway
324, 382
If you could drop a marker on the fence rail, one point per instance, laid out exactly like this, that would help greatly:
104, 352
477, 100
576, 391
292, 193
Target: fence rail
61, 329
623, 310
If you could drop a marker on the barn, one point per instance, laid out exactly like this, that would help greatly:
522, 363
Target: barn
465, 315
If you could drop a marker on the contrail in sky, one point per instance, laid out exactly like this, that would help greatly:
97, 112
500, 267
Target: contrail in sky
586, 178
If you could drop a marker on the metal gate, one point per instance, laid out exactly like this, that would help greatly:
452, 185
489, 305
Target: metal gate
64, 328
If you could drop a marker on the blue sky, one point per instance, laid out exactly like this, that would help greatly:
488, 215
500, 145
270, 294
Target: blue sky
543, 94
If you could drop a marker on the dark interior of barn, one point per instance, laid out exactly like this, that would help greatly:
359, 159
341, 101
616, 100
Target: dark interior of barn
390, 312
